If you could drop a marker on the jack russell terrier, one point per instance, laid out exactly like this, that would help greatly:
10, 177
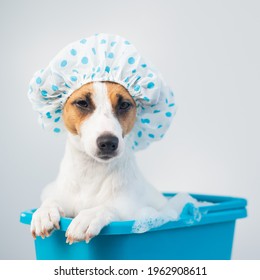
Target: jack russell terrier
99, 180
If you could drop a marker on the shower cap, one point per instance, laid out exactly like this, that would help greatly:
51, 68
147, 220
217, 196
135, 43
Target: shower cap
104, 57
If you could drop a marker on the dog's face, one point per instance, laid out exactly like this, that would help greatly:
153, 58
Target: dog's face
101, 114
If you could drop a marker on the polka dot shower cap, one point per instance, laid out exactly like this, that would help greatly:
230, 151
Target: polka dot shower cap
104, 57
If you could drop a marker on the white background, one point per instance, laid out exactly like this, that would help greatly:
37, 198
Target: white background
208, 51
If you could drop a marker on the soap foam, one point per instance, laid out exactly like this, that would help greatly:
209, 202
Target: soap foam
182, 204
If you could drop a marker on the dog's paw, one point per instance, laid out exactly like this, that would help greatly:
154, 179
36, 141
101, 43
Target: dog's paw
45, 220
86, 225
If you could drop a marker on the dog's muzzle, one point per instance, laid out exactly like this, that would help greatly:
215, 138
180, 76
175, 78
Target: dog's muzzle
107, 145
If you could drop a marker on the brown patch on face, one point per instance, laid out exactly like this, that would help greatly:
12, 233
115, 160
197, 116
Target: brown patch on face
78, 107
123, 105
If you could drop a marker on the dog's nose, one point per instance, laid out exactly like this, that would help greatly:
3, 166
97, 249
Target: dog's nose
107, 143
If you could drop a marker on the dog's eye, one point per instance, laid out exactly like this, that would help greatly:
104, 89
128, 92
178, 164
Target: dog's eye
82, 103
124, 105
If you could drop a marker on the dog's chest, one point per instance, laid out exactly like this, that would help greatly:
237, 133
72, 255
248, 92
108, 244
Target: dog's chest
87, 188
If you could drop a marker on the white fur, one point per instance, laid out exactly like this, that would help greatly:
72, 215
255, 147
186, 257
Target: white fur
101, 121
93, 191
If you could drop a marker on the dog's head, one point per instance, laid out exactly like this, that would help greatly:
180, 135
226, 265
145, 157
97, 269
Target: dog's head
101, 114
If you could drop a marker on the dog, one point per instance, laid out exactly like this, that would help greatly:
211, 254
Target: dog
99, 181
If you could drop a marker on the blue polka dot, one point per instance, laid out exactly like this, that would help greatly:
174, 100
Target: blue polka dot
127, 42
103, 41
116, 68
73, 78
38, 80
94, 51
161, 135
66, 85
48, 115
57, 119
83, 41
54, 87
166, 101
146, 99
131, 60
156, 111
56, 130
171, 105
136, 87
73, 52
110, 55
144, 65
145, 121
159, 126
134, 71
150, 85
139, 133
44, 93
151, 135
98, 69
136, 143
63, 63
107, 69
92, 76
126, 79
58, 111
168, 114
84, 60
112, 44
150, 75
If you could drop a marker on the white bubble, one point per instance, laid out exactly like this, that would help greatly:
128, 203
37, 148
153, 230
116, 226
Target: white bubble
150, 218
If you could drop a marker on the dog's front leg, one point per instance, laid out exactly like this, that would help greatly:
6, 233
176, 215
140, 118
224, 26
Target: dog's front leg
46, 218
88, 223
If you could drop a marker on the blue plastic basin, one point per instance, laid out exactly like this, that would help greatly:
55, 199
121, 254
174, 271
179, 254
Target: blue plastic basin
210, 238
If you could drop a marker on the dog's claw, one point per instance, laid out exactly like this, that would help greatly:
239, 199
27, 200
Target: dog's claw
69, 240
88, 238
33, 234
56, 225
42, 235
